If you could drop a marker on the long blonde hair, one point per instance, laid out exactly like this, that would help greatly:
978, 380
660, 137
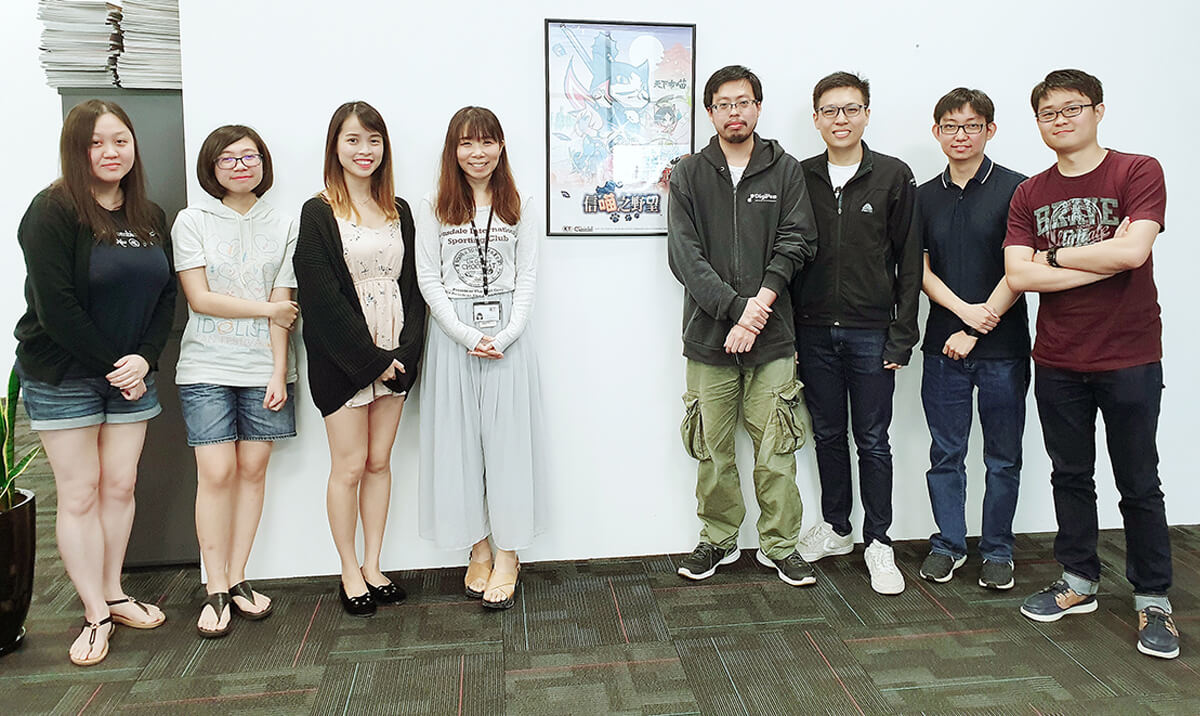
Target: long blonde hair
383, 190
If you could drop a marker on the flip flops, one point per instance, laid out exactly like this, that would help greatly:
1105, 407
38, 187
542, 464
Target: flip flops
245, 591
126, 621
94, 626
218, 602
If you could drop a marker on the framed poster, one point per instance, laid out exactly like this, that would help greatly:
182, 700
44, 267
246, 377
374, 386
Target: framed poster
619, 116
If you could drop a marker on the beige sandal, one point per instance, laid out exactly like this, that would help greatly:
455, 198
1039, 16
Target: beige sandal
503, 581
94, 626
126, 621
475, 572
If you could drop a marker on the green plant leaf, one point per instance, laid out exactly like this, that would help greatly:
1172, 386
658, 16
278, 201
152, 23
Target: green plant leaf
10, 419
23, 464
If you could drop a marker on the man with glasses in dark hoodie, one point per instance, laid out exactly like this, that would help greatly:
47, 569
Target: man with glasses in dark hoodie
739, 226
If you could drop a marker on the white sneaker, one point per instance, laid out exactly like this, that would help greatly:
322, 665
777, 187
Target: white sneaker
821, 541
881, 563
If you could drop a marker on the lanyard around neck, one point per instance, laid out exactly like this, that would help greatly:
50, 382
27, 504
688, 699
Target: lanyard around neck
483, 248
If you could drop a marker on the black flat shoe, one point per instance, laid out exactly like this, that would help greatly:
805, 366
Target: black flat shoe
245, 591
361, 606
218, 602
390, 593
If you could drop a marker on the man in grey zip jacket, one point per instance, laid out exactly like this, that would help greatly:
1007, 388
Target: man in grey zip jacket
856, 321
739, 226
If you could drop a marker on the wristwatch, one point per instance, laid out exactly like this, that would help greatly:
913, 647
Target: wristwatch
1052, 257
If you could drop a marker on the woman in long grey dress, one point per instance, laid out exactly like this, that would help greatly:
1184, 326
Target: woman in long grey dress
481, 467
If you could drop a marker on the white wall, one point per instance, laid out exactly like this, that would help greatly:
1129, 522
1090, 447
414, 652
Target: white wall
607, 319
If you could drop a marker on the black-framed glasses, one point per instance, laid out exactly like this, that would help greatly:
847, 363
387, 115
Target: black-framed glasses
1046, 116
742, 105
830, 111
950, 128
247, 160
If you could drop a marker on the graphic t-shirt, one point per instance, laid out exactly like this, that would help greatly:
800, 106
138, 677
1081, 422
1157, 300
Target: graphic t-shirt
245, 256
1114, 323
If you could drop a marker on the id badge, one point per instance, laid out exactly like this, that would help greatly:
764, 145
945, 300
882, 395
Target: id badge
486, 314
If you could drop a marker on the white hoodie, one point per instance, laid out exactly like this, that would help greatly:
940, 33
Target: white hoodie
243, 256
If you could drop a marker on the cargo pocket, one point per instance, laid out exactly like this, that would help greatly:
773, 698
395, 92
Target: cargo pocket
787, 428
692, 428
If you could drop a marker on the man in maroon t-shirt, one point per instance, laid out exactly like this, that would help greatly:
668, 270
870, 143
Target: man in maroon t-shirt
1080, 234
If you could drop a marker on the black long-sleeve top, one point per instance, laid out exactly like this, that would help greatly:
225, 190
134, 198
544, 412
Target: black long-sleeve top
59, 334
342, 355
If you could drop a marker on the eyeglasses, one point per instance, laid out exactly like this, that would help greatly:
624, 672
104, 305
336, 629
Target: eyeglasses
1046, 116
742, 105
830, 111
247, 160
950, 128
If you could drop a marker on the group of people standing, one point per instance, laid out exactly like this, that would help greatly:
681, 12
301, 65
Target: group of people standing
801, 282
361, 269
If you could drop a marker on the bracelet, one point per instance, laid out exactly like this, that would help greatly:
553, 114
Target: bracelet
1052, 257
972, 332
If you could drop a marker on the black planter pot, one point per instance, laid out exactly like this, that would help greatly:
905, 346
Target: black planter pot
18, 539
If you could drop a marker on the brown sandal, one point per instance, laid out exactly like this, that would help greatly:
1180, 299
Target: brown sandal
503, 580
126, 621
477, 571
92, 640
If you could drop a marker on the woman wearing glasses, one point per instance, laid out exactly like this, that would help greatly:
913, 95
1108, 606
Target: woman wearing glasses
363, 325
481, 466
233, 252
100, 301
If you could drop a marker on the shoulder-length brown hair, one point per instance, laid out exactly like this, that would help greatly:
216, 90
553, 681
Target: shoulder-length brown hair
382, 186
210, 152
455, 200
74, 151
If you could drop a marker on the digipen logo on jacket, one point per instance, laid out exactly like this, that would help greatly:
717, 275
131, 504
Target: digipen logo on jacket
868, 209
762, 198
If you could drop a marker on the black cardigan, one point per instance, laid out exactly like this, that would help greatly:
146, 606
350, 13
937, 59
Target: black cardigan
342, 355
56, 330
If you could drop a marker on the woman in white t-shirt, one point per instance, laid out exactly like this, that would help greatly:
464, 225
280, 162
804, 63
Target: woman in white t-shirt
481, 422
233, 252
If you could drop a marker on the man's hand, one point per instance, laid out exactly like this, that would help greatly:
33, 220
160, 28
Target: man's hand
979, 316
755, 316
958, 345
739, 340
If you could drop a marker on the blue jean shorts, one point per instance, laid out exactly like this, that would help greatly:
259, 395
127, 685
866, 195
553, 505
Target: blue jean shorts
83, 402
224, 414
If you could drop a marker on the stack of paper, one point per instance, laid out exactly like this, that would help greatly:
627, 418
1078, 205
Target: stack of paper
80, 42
150, 38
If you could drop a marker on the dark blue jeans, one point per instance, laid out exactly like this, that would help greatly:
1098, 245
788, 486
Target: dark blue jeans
947, 387
835, 364
1129, 400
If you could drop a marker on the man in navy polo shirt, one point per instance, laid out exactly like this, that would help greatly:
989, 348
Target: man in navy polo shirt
976, 339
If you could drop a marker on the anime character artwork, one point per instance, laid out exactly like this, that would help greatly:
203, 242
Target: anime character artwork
619, 116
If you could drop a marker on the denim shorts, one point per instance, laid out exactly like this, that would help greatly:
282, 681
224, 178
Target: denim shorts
224, 414
83, 402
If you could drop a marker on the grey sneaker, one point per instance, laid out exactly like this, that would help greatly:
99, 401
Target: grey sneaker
1056, 601
996, 575
702, 563
821, 541
792, 569
1157, 635
939, 567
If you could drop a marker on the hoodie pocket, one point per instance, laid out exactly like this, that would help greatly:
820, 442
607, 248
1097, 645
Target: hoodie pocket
788, 427
692, 428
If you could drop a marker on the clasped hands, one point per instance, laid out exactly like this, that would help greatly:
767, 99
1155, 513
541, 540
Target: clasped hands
753, 319
129, 376
979, 316
485, 349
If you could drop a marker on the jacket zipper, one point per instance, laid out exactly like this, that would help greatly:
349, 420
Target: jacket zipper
837, 264
737, 264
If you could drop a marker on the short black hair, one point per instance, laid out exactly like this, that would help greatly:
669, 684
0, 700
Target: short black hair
1087, 85
961, 96
210, 151
842, 79
731, 73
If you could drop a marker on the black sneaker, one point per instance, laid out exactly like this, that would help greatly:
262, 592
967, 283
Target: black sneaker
702, 563
1157, 635
940, 568
1056, 601
996, 575
791, 569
